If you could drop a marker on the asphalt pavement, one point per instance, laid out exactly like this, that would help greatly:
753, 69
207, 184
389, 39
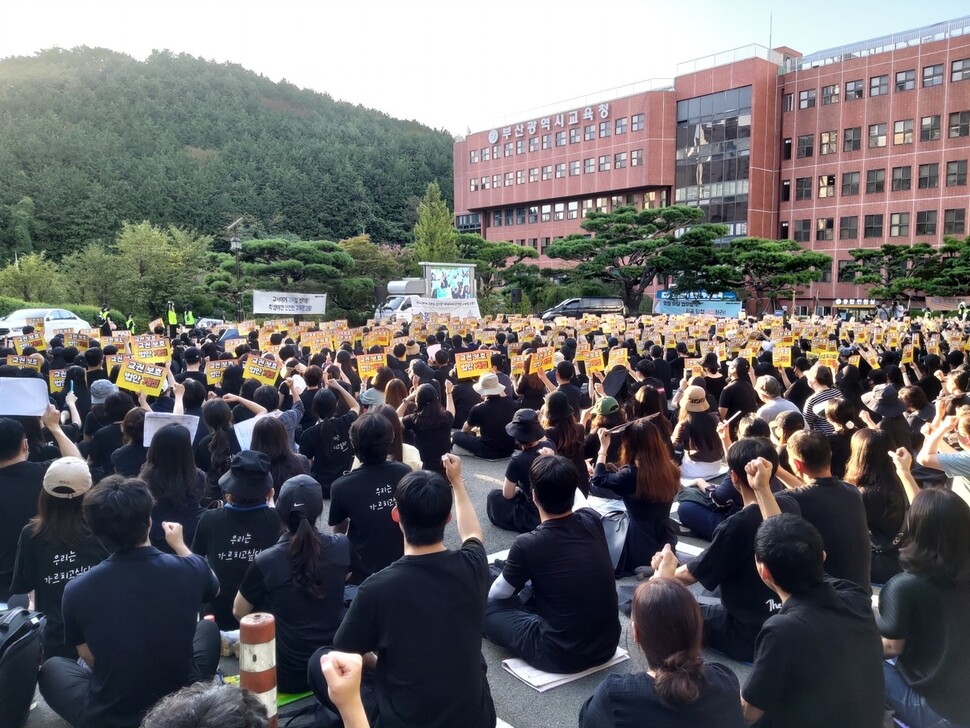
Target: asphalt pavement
516, 703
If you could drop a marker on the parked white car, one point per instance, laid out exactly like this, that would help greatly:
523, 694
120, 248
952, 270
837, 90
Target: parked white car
54, 318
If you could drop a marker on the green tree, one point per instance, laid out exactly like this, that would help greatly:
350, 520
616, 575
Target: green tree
893, 271
434, 232
32, 277
497, 264
950, 273
630, 248
768, 269
382, 263
92, 275
157, 265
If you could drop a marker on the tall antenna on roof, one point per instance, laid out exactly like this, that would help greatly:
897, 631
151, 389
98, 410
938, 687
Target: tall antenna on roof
770, 27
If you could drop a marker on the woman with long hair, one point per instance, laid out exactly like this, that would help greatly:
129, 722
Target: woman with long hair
530, 391
300, 581
568, 436
383, 377
128, 459
872, 471
76, 382
696, 434
923, 612
649, 400
55, 546
214, 452
647, 481
431, 425
395, 393
175, 483
270, 438
108, 437
678, 688
327, 443
348, 365
844, 418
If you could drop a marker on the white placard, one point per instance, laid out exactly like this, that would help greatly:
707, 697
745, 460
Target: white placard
25, 397
154, 421
244, 431
289, 304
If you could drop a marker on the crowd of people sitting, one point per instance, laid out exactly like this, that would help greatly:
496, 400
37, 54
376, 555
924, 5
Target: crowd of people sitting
323, 499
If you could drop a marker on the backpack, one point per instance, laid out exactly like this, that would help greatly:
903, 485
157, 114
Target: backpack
21, 652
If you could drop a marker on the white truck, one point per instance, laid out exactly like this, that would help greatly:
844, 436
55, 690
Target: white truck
401, 299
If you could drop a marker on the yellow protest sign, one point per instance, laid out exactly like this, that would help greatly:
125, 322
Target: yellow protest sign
244, 327
855, 360
215, 369
141, 377
117, 360
907, 356
78, 341
23, 362
618, 358
472, 364
231, 344
545, 359
262, 370
520, 364
91, 333
368, 364
22, 342
151, 349
56, 379
594, 361
155, 323
781, 356
829, 359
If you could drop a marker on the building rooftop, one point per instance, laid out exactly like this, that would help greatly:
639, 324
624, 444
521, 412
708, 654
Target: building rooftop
734, 55
882, 44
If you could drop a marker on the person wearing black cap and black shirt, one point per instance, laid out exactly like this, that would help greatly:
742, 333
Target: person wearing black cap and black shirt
884, 401
512, 508
193, 367
300, 581
232, 536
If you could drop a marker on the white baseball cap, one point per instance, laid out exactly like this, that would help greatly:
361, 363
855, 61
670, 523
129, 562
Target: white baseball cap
67, 477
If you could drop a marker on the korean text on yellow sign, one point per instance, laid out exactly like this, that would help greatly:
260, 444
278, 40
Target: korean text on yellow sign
472, 364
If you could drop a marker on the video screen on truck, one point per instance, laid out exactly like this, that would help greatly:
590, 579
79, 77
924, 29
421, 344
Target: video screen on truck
450, 281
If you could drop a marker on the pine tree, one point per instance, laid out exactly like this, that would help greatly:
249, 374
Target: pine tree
434, 233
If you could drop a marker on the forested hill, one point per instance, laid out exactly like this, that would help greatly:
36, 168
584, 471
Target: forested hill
95, 138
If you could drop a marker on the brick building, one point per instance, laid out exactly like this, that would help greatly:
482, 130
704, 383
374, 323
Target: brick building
850, 147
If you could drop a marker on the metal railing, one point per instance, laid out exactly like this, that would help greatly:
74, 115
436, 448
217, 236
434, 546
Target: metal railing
734, 55
883, 44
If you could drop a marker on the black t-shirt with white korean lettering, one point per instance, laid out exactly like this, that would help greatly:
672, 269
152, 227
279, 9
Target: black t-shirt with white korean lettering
366, 497
728, 563
230, 538
45, 568
20, 486
304, 623
328, 465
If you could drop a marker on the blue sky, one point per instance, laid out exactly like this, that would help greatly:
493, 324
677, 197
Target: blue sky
455, 64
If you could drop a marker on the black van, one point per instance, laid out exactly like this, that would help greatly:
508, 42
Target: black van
579, 307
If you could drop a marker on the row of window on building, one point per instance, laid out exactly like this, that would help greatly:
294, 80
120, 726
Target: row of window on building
873, 226
576, 209
930, 130
880, 85
928, 177
576, 135
603, 163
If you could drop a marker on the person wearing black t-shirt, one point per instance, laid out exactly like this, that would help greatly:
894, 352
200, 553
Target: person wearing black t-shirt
300, 581
134, 617
55, 547
108, 437
818, 661
431, 424
678, 690
361, 501
511, 507
574, 624
327, 443
834, 507
230, 537
128, 459
731, 626
923, 615
490, 417
21, 482
465, 397
738, 395
419, 621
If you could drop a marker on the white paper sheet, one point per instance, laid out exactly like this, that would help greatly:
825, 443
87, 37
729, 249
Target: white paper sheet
154, 421
542, 681
25, 397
